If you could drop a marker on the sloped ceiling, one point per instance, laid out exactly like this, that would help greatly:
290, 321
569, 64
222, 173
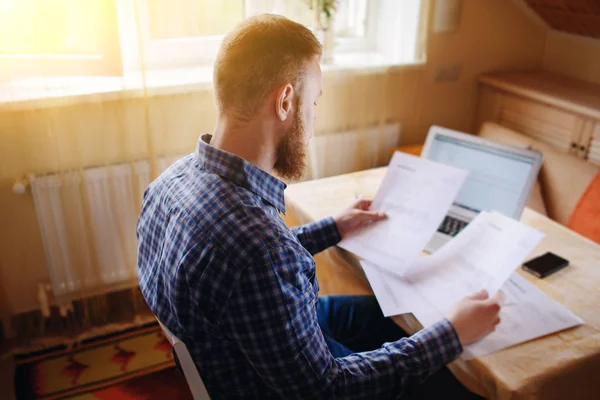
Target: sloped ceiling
579, 17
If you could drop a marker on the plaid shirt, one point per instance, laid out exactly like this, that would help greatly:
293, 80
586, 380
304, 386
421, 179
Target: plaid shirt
219, 267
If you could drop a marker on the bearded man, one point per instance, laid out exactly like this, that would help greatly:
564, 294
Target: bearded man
222, 271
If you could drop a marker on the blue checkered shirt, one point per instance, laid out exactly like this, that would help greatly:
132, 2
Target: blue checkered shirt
219, 267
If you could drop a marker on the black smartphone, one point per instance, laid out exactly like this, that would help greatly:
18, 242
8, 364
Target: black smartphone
545, 265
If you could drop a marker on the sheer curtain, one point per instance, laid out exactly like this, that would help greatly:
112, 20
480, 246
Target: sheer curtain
114, 90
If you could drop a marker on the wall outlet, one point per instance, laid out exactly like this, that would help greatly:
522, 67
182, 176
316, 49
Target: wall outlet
448, 73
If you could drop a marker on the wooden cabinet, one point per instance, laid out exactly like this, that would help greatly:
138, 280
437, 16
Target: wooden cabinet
561, 111
594, 153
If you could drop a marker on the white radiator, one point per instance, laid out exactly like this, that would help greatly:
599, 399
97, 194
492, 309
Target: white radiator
344, 152
87, 220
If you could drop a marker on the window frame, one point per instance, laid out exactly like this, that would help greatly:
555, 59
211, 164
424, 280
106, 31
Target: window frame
128, 50
142, 52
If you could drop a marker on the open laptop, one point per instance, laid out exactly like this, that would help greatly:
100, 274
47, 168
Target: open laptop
500, 178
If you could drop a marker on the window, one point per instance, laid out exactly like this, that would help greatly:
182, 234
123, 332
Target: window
115, 37
58, 37
175, 33
188, 32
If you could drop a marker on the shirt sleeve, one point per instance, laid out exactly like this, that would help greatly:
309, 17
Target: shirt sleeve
272, 318
318, 236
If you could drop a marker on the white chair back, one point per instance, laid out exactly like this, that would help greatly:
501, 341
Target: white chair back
192, 376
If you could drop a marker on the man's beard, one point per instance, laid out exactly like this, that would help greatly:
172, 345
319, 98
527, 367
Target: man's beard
290, 160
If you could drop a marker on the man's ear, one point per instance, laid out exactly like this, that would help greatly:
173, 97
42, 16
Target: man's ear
284, 102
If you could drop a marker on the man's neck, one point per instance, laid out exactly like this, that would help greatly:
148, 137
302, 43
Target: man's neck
253, 141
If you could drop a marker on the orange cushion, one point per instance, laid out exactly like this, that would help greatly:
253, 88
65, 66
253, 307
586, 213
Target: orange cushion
414, 150
585, 218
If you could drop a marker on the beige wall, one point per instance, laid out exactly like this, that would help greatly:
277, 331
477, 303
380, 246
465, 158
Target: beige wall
573, 55
493, 34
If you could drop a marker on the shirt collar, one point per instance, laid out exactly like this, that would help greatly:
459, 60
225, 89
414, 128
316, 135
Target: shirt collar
240, 172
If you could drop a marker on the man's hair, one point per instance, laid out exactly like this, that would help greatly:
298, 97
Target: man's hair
259, 55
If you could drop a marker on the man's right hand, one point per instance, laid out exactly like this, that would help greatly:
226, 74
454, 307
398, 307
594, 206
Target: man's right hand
476, 316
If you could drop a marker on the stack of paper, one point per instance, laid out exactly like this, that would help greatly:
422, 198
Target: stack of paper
483, 256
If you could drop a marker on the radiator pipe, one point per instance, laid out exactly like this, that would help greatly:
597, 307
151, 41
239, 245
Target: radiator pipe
43, 299
20, 186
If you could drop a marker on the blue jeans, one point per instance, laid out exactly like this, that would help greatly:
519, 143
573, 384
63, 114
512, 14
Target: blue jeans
353, 324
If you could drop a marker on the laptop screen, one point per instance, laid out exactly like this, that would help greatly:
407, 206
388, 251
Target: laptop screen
496, 179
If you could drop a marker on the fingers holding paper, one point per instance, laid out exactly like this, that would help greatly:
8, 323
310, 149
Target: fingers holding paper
476, 316
361, 204
358, 216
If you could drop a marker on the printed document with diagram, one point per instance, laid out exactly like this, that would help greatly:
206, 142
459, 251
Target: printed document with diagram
415, 194
484, 255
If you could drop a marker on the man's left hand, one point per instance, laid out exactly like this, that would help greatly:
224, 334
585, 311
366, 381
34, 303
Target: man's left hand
356, 217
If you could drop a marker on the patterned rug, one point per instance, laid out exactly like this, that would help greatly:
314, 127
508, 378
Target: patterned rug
132, 365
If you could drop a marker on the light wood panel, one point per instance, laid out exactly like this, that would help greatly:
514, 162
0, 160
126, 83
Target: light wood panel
562, 112
594, 154
539, 121
559, 91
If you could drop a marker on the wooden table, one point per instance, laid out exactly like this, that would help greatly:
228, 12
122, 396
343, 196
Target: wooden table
565, 365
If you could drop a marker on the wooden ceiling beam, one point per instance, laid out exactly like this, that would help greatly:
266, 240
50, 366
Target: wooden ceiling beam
580, 17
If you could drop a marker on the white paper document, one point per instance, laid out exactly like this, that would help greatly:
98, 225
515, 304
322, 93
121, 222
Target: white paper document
393, 294
415, 194
483, 256
530, 314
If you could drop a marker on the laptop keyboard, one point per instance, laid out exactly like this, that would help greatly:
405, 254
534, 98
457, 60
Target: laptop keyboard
451, 226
